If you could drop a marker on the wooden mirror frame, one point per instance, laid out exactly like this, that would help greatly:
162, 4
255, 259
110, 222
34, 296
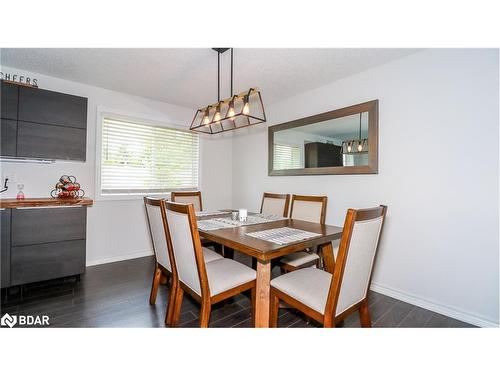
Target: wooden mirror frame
372, 168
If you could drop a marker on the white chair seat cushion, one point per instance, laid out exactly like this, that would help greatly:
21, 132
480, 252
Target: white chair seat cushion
299, 258
308, 285
224, 274
210, 255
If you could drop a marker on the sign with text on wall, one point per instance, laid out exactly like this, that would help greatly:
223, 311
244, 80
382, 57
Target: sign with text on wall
19, 79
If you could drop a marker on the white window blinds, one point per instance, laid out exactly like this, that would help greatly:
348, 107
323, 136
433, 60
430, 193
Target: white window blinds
286, 156
138, 158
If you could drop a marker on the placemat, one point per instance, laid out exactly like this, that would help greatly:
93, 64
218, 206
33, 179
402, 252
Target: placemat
283, 236
213, 224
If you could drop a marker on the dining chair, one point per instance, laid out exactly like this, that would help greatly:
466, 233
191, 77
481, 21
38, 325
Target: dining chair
328, 298
207, 282
307, 208
163, 268
275, 204
193, 197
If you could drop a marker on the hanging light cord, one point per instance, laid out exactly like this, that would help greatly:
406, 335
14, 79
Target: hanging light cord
231, 72
218, 76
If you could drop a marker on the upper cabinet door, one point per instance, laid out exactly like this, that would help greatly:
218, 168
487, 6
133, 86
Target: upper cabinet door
9, 96
53, 108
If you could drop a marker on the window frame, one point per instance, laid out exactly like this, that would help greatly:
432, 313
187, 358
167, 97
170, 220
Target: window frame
143, 119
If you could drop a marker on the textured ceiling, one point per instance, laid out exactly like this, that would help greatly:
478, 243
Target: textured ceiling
188, 77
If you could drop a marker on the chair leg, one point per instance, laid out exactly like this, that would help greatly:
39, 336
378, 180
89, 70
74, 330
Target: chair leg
176, 314
170, 304
154, 288
275, 306
253, 294
364, 316
228, 252
206, 308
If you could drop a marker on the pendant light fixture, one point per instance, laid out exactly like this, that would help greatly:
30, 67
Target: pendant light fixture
238, 111
356, 146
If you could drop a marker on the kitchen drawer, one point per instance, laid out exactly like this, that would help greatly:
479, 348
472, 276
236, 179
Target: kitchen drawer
50, 107
46, 261
50, 141
40, 225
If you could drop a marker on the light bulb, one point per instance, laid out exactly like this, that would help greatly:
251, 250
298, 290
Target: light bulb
217, 116
360, 147
349, 148
246, 108
230, 113
206, 120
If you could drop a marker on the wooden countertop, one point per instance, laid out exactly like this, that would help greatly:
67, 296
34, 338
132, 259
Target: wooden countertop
45, 202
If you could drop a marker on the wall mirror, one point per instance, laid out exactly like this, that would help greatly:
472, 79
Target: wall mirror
343, 141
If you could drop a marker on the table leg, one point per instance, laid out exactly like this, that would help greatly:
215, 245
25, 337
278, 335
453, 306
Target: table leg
262, 294
328, 258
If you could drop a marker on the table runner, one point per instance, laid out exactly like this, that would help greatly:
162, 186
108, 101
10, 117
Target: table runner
283, 236
210, 213
221, 223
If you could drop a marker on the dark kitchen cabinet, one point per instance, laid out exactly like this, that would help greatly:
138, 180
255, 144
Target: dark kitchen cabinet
8, 137
46, 261
9, 99
42, 243
39, 225
50, 142
5, 247
52, 108
318, 155
42, 124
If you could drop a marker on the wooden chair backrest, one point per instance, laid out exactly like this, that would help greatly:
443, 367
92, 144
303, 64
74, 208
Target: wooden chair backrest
275, 204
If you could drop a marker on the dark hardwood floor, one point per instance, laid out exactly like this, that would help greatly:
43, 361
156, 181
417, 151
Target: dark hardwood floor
116, 295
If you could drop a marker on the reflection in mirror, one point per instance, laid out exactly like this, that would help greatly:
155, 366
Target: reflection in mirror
337, 142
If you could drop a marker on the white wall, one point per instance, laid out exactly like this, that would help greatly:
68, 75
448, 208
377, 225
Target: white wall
440, 246
438, 174
116, 229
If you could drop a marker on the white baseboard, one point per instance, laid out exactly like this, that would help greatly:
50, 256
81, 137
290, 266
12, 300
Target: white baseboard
433, 306
137, 254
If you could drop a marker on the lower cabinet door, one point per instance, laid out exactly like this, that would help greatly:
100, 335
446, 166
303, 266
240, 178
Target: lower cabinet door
46, 261
5, 247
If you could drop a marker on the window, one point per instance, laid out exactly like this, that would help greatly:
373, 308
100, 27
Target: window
137, 158
286, 156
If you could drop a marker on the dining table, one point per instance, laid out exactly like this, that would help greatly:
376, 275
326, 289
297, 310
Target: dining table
264, 251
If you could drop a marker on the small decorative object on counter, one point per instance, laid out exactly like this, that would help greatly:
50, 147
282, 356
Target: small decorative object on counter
67, 187
20, 193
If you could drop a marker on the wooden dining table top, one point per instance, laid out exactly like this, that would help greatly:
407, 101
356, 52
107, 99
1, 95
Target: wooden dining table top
263, 250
